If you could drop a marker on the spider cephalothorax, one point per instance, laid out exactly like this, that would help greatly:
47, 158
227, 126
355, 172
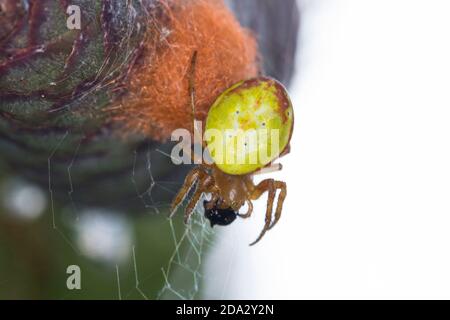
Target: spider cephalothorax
251, 106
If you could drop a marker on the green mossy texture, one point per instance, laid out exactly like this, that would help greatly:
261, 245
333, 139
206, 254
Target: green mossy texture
55, 87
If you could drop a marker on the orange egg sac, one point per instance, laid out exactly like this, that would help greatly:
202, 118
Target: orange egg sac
157, 100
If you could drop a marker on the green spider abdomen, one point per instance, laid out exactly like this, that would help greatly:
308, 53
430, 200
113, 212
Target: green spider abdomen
249, 125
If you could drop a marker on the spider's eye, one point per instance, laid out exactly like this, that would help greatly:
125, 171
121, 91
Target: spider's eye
221, 217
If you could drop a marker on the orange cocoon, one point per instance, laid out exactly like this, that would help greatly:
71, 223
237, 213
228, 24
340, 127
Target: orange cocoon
157, 101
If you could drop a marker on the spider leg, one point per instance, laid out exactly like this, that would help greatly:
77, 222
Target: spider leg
203, 186
192, 204
215, 196
266, 185
189, 182
191, 77
283, 192
249, 211
274, 167
196, 155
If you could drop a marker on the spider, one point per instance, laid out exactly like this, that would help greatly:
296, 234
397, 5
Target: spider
258, 103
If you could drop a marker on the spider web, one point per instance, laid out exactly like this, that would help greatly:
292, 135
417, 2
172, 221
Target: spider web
182, 273
184, 269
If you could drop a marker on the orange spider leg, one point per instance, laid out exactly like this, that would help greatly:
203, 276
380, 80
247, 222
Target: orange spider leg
249, 210
192, 97
270, 186
266, 185
274, 167
203, 186
189, 182
193, 203
283, 192
215, 196
198, 176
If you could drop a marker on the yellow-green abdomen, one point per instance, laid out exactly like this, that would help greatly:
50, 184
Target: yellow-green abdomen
249, 125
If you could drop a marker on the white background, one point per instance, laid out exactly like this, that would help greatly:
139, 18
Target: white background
368, 207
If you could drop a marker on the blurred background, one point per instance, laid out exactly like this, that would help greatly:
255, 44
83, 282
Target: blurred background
74, 194
367, 213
